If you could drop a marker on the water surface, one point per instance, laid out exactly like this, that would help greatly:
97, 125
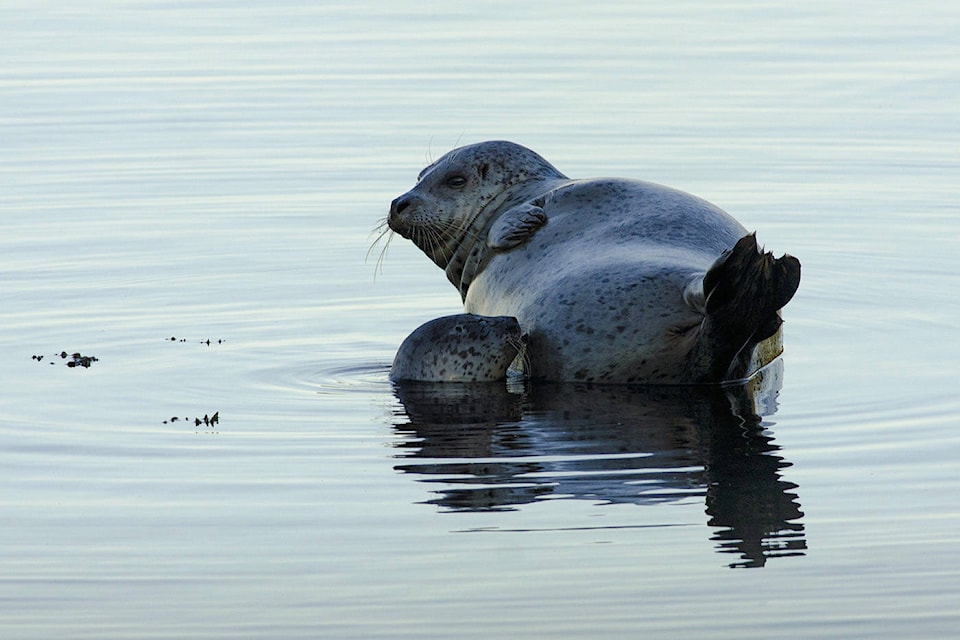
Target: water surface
187, 193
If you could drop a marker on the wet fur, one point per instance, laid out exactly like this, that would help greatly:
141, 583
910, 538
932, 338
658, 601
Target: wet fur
613, 281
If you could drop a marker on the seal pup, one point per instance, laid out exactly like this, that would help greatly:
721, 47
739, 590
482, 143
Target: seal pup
459, 348
612, 280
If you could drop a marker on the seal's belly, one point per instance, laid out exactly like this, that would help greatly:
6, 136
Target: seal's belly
600, 287
614, 315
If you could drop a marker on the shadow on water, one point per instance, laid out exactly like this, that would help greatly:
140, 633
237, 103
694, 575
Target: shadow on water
496, 447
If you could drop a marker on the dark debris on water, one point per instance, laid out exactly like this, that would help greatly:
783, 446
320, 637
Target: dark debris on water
207, 420
207, 342
76, 359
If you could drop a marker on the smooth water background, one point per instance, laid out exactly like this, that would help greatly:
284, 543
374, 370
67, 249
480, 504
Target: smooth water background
173, 173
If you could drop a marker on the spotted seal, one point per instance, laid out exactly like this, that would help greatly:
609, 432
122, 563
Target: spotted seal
459, 348
612, 280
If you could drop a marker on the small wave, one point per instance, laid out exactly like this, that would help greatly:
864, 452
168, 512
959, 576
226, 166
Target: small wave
328, 378
361, 377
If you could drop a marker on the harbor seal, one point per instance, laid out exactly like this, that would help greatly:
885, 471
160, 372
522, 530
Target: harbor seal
613, 280
459, 348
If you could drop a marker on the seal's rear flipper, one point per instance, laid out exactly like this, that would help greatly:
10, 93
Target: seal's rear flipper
744, 291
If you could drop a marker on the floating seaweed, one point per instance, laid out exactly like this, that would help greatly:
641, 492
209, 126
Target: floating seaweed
208, 341
210, 422
75, 359
78, 360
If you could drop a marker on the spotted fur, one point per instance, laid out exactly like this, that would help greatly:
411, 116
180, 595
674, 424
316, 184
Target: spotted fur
459, 348
605, 276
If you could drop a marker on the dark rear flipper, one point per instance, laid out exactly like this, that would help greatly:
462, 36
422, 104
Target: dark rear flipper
744, 291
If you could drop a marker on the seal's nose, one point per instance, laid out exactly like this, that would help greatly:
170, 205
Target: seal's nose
398, 205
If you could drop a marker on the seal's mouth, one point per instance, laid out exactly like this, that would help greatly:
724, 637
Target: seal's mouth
398, 227
402, 230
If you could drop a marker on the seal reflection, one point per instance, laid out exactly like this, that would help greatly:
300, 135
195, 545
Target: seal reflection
490, 446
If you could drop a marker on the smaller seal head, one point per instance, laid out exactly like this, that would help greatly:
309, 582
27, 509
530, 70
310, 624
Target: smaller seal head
459, 348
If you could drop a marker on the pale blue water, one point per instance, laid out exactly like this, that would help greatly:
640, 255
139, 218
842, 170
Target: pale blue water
213, 171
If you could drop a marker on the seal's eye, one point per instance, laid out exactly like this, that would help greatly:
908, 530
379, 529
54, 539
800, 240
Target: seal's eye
455, 181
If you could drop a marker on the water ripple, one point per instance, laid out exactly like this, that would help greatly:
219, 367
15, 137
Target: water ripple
328, 379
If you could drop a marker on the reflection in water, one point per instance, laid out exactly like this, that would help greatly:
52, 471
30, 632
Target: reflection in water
493, 447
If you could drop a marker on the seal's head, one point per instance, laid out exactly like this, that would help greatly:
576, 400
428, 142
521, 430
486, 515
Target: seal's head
459, 348
458, 196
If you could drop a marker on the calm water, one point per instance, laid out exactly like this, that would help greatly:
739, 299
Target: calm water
187, 192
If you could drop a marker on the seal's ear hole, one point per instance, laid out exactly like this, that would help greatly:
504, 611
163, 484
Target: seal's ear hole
483, 170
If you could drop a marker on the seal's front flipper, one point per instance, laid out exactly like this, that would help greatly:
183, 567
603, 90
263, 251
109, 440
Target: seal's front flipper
517, 225
744, 291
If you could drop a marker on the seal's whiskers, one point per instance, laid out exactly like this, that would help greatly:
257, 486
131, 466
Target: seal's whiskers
381, 230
